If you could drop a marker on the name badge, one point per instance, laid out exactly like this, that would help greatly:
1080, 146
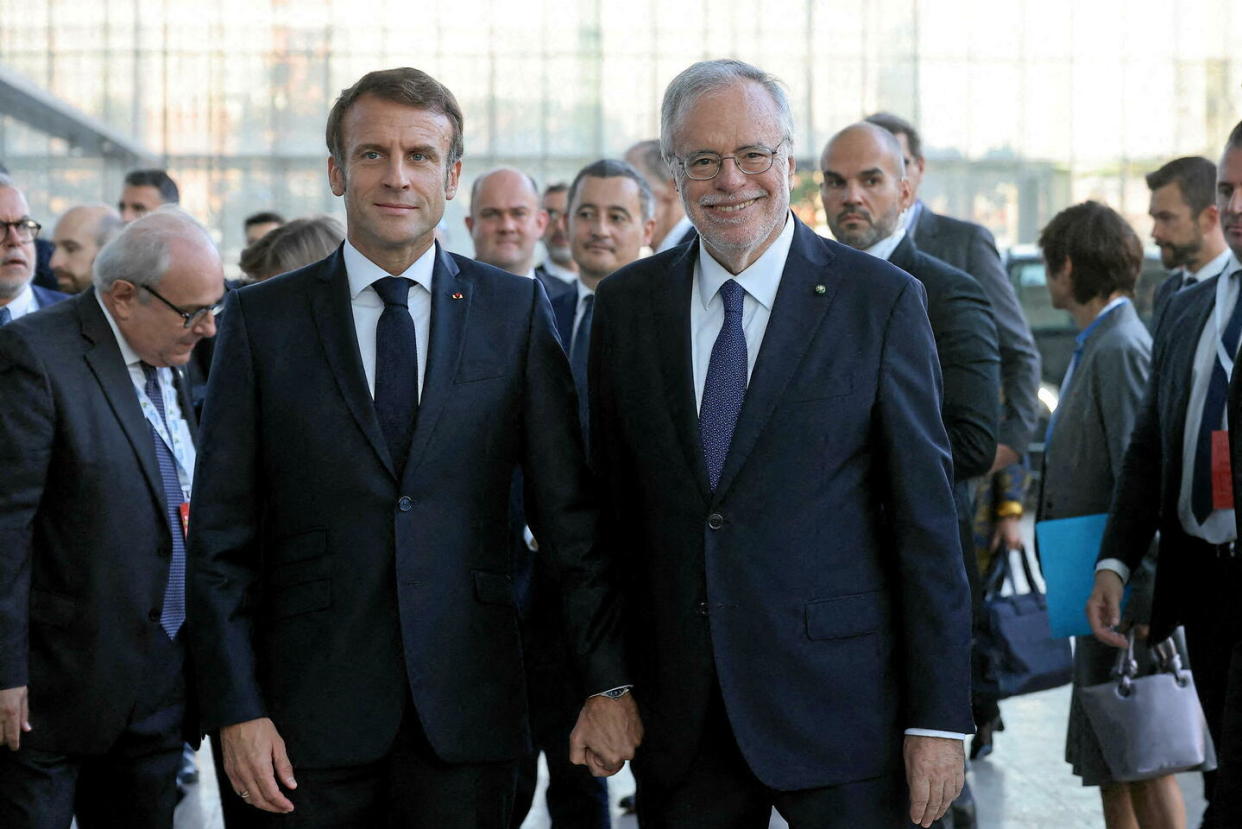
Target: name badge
1222, 476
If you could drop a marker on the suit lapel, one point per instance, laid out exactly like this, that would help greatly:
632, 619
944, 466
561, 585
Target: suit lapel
106, 363
332, 309
1180, 371
450, 307
670, 308
796, 315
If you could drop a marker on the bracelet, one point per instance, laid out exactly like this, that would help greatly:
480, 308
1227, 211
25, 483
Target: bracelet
1009, 509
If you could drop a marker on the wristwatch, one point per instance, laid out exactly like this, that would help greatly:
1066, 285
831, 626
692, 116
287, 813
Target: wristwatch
615, 693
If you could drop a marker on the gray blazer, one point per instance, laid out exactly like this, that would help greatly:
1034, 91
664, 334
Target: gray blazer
971, 248
1094, 420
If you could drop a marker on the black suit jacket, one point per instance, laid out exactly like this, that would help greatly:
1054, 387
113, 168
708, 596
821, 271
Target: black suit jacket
1160, 299
962, 323
553, 285
1145, 499
84, 544
971, 248
821, 584
376, 589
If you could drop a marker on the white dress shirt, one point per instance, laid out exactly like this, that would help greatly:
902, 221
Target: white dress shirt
182, 447
22, 304
1219, 527
760, 281
884, 248
367, 305
563, 274
671, 238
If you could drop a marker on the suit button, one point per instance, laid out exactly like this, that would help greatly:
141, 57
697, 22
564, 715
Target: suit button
154, 615
405, 503
715, 520
701, 608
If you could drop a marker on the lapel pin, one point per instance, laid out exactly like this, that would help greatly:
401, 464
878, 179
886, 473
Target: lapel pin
820, 290
458, 295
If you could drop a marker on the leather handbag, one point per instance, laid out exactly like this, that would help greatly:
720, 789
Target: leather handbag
1149, 726
1018, 651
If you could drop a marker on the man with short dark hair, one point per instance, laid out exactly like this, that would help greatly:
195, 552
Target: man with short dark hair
350, 582
97, 443
1174, 480
79, 235
506, 221
560, 260
765, 424
1185, 225
144, 191
18, 295
672, 226
258, 225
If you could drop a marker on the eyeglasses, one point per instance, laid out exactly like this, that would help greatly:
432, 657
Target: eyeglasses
750, 160
190, 318
27, 229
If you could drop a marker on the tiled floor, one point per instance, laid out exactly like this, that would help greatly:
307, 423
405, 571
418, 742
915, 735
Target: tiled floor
1025, 784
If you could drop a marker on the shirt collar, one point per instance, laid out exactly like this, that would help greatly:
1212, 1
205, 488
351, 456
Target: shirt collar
23, 304
361, 271
911, 215
674, 235
557, 271
128, 354
583, 291
1215, 266
884, 248
760, 280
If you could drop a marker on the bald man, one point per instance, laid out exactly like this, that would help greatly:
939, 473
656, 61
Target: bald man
78, 237
506, 221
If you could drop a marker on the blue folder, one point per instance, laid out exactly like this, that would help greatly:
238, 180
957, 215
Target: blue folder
1068, 548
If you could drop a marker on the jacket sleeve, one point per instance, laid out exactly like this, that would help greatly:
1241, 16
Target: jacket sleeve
27, 431
969, 362
224, 564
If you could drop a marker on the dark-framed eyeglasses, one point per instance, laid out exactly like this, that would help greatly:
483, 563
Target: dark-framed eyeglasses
750, 160
189, 318
27, 229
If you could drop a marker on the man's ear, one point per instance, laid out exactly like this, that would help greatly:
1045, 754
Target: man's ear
336, 177
123, 296
451, 180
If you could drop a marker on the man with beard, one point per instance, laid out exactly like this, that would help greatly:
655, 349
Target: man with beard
1185, 225
765, 426
560, 262
79, 235
672, 225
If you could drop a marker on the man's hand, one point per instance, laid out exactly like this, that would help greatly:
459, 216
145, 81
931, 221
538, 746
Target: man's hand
252, 752
14, 717
1104, 608
1008, 535
607, 732
935, 771
1004, 457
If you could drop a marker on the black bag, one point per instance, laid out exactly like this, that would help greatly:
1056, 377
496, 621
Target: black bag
1019, 653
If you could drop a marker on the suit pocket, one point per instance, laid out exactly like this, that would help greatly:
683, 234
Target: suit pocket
838, 385
298, 599
52, 608
472, 371
844, 617
494, 588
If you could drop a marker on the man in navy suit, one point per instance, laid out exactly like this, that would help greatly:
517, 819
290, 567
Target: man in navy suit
351, 580
18, 295
765, 420
97, 447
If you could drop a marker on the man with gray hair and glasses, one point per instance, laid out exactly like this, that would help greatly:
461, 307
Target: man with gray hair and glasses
765, 426
18, 231
97, 443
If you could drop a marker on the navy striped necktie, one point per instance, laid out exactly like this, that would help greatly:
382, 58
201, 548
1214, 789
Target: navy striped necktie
173, 614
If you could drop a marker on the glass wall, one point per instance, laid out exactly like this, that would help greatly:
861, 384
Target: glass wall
1025, 106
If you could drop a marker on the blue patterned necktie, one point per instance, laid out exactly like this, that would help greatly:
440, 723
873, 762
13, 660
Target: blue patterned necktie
396, 368
6, 316
173, 613
725, 385
578, 352
1213, 413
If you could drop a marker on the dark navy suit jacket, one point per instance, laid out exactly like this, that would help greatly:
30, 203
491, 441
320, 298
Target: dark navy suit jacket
84, 544
377, 590
821, 584
46, 297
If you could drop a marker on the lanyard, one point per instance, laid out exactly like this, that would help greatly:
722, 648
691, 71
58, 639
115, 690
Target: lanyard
172, 439
1224, 286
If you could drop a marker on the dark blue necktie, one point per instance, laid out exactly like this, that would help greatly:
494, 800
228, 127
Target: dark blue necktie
725, 385
173, 613
396, 368
1213, 412
578, 352
6, 316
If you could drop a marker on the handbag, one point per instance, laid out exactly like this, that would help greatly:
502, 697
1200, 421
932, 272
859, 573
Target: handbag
1019, 653
1149, 726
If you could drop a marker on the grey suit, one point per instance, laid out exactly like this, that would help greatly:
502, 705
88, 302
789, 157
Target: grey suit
971, 248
